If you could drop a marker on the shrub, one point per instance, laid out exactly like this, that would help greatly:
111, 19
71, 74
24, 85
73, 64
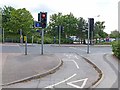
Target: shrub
116, 48
66, 41
48, 40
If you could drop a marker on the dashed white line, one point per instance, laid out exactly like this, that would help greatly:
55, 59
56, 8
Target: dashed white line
51, 86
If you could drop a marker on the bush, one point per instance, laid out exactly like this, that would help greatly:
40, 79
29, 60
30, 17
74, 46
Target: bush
66, 41
116, 48
48, 40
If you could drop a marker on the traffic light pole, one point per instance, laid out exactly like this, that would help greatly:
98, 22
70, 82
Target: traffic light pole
32, 39
42, 41
88, 38
21, 37
59, 34
26, 46
3, 35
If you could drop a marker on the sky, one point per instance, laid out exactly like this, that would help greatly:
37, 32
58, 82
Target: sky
107, 10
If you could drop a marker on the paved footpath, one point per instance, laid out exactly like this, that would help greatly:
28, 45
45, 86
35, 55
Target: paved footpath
109, 66
17, 66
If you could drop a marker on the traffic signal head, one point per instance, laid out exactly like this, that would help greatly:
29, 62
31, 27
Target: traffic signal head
42, 17
91, 24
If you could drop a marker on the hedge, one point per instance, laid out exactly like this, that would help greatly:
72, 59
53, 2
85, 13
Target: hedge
116, 48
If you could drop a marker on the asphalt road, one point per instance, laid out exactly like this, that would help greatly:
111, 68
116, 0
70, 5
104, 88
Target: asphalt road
72, 72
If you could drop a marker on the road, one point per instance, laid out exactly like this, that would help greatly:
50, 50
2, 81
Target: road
72, 74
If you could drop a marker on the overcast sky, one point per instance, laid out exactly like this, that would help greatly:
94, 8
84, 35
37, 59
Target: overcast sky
107, 9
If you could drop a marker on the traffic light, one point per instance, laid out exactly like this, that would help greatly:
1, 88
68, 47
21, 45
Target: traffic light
91, 29
91, 24
42, 17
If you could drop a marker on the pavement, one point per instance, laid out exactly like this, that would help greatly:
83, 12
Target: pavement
108, 64
18, 67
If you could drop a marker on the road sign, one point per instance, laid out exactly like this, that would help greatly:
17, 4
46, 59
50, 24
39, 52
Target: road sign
37, 24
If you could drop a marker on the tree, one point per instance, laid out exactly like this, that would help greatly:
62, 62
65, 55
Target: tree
6, 18
0, 17
81, 30
114, 34
99, 30
22, 19
14, 20
69, 22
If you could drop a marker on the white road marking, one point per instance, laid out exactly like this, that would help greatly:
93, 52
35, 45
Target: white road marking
72, 60
84, 83
76, 64
76, 57
51, 86
19, 48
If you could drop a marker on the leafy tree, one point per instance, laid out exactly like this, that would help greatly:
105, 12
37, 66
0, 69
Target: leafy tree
69, 22
55, 20
6, 18
22, 19
114, 34
81, 30
99, 30
0, 24
0, 17
14, 20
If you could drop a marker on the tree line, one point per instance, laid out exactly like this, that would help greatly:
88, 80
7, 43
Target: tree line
14, 20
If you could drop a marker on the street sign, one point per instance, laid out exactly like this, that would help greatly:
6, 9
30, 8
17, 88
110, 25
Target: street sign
37, 24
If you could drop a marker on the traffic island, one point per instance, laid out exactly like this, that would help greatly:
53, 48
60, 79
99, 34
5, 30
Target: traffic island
18, 67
